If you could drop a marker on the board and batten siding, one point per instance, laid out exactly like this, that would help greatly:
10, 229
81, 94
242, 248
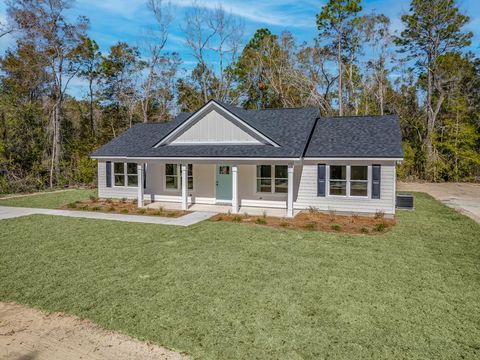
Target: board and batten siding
307, 190
214, 128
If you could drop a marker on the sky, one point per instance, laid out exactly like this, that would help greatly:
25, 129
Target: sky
126, 20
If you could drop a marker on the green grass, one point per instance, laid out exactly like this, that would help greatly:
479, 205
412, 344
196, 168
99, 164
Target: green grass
221, 290
50, 200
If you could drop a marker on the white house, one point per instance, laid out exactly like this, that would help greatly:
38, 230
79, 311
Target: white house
288, 159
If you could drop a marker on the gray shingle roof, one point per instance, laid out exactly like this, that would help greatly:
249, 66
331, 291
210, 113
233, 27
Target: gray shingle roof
356, 136
291, 129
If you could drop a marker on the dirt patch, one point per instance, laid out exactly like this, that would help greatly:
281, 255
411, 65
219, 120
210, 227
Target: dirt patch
316, 221
465, 197
120, 207
26, 334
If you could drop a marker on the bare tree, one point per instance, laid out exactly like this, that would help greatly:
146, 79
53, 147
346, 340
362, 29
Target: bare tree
214, 38
157, 38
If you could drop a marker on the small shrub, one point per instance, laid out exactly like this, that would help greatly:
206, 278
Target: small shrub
111, 208
354, 218
332, 215
380, 227
133, 201
229, 212
171, 214
336, 227
109, 201
161, 209
96, 208
264, 214
364, 230
72, 205
261, 221
124, 211
219, 218
237, 219
123, 200
284, 224
313, 210
379, 214
93, 198
310, 226
83, 207
245, 214
141, 211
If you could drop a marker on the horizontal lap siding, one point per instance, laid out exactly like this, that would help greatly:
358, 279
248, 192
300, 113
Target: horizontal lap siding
307, 192
113, 192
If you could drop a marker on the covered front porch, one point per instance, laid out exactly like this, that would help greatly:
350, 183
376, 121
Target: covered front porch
244, 186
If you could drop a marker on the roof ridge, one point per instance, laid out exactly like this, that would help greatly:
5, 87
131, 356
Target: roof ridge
355, 116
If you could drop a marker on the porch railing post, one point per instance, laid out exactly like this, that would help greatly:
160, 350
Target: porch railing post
140, 201
235, 201
290, 191
184, 174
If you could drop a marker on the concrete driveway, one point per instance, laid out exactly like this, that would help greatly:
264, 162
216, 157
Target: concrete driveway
464, 197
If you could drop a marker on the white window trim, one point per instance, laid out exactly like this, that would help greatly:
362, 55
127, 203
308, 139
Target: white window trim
179, 177
348, 181
272, 178
125, 176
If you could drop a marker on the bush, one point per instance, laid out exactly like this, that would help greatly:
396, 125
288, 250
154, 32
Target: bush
109, 201
124, 211
310, 226
379, 214
336, 227
261, 221
380, 227
332, 215
111, 208
141, 211
123, 200
237, 219
93, 198
96, 208
364, 230
313, 210
284, 224
72, 205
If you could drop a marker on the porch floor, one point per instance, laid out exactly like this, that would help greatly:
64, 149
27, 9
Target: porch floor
220, 208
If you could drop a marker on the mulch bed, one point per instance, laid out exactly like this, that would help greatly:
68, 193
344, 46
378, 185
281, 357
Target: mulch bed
120, 207
316, 221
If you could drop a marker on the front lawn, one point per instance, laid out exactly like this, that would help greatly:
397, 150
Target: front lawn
49, 200
221, 290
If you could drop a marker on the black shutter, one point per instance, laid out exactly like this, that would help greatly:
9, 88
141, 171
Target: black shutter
321, 180
144, 176
108, 173
376, 176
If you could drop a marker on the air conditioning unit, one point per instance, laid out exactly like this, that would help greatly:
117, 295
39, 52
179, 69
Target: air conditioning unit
405, 201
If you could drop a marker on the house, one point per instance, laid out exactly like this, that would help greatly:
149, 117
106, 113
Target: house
289, 159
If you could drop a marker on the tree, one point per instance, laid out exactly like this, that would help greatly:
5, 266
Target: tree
214, 37
44, 23
335, 22
88, 57
432, 28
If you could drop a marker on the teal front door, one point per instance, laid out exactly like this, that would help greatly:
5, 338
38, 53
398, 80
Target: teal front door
224, 183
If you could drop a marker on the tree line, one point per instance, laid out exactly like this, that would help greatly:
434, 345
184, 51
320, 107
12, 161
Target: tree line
354, 65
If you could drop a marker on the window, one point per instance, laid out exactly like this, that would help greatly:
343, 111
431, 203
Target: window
353, 178
272, 178
119, 174
338, 180
359, 181
132, 176
264, 178
281, 178
190, 176
125, 174
173, 174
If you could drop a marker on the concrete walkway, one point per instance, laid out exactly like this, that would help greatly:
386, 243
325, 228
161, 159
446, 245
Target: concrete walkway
7, 212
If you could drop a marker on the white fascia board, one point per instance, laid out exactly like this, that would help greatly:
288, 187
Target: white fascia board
351, 158
200, 112
135, 158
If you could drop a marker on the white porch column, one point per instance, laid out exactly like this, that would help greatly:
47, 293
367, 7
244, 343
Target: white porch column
235, 201
290, 191
184, 173
140, 202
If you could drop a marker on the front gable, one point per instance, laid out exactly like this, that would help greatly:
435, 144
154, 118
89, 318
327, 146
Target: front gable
213, 124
